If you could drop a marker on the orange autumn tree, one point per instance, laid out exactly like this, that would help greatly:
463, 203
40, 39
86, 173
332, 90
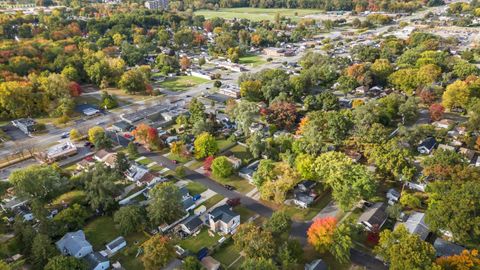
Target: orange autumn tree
146, 134
467, 260
320, 234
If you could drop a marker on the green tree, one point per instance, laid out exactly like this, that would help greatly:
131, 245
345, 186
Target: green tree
253, 241
264, 173
456, 95
166, 204
255, 144
244, 114
132, 150
289, 254
222, 167
65, 262
278, 223
251, 90
101, 188
72, 218
205, 145
42, 250
129, 219
4, 266
258, 264
133, 81
121, 162
197, 111
410, 201
94, 133
342, 243
304, 164
404, 250
75, 134
191, 263
158, 251
37, 181
405, 80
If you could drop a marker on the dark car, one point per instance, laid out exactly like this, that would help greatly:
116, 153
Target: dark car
233, 202
87, 144
229, 187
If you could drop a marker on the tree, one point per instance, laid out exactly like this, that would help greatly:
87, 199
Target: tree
282, 115
255, 144
456, 95
258, 264
464, 261
191, 263
436, 111
72, 218
100, 187
304, 164
133, 81
405, 80
222, 167
451, 208
129, 219
244, 113
37, 181
342, 243
205, 145
166, 203
180, 171
75, 89
320, 233
121, 162
94, 133
278, 223
264, 173
253, 241
410, 201
207, 164
381, 69
65, 262
4, 266
75, 134
158, 251
132, 150
42, 250
251, 90
197, 111
289, 254
185, 62
403, 250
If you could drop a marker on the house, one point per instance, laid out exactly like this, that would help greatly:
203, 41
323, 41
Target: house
374, 216
142, 176
90, 111
446, 147
445, 248
101, 155
74, 244
209, 263
26, 125
415, 224
444, 123
156, 4
229, 90
191, 225
9, 204
247, 171
426, 146
316, 265
223, 220
85, 164
116, 245
236, 162
97, 261
393, 195
469, 154
187, 199
122, 126
303, 199
306, 185
57, 152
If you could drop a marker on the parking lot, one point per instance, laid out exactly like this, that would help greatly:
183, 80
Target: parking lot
14, 133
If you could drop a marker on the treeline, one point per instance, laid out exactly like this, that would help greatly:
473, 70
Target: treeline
328, 5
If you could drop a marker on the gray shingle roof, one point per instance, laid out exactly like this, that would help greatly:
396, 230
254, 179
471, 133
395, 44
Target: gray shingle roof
73, 242
95, 258
223, 213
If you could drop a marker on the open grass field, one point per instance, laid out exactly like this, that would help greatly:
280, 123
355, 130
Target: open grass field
181, 83
256, 14
252, 60
71, 197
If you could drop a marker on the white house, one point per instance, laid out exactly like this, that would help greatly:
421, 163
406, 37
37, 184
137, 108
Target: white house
117, 244
74, 244
223, 220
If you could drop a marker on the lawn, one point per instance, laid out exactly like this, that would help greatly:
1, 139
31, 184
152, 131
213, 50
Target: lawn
196, 188
242, 153
224, 144
212, 201
227, 254
241, 185
181, 83
256, 14
252, 60
177, 158
127, 255
301, 214
156, 168
245, 213
71, 197
203, 239
101, 231
145, 161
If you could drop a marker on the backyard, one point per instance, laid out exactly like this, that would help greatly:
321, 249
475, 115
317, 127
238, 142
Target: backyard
201, 240
256, 14
227, 255
181, 83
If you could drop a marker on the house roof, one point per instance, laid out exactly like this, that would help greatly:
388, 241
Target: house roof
416, 224
307, 184
101, 154
223, 213
187, 203
73, 242
122, 125
95, 258
192, 222
303, 196
446, 248
316, 265
428, 143
115, 243
374, 215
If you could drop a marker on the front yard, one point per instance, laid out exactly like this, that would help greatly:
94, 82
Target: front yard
181, 83
195, 188
241, 185
301, 214
213, 200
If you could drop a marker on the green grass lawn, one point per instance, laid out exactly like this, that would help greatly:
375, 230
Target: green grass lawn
181, 83
301, 214
101, 231
195, 243
227, 255
86, 100
196, 188
145, 161
240, 184
212, 201
242, 153
156, 168
224, 144
256, 14
177, 158
245, 213
252, 60
127, 256
71, 197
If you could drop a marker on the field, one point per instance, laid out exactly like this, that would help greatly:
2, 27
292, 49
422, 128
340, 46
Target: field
181, 83
256, 14
252, 60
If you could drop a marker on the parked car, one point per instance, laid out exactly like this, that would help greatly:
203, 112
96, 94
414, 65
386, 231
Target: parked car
65, 135
229, 187
233, 202
196, 197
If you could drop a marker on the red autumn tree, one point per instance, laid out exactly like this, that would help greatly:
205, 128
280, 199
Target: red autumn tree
282, 114
75, 89
141, 133
427, 96
320, 233
185, 62
374, 235
436, 111
207, 164
208, 26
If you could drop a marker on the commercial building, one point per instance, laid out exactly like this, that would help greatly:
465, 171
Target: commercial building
157, 4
